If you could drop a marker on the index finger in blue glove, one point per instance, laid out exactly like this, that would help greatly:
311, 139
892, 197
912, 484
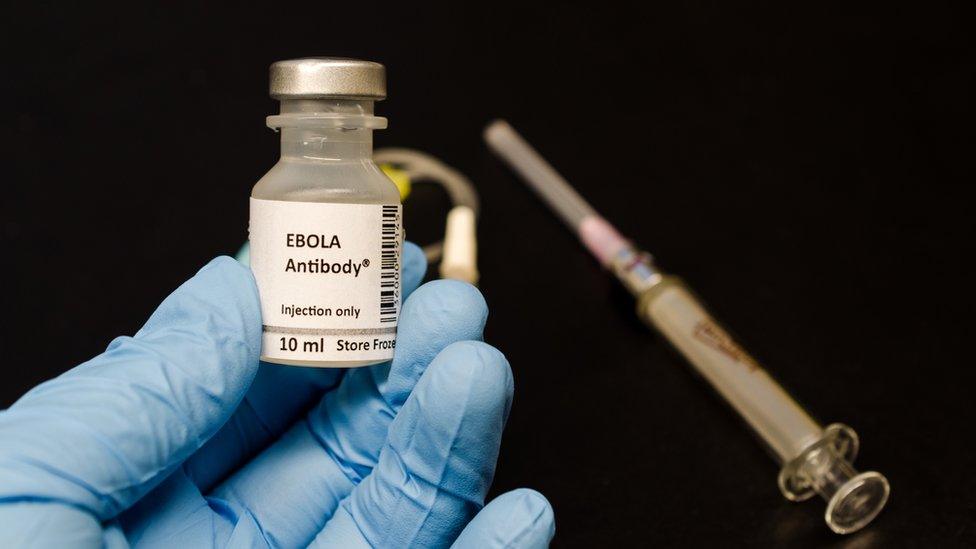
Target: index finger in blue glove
294, 486
277, 397
439, 459
103, 434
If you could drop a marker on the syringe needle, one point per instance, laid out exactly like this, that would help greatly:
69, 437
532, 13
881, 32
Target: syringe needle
597, 234
813, 459
539, 174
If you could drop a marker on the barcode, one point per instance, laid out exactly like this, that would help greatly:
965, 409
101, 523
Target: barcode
390, 264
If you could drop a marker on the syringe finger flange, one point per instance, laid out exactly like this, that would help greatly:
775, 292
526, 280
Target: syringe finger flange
825, 467
793, 480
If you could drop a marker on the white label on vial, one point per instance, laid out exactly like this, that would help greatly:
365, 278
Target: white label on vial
329, 280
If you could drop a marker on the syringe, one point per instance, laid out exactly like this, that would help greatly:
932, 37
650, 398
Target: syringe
813, 459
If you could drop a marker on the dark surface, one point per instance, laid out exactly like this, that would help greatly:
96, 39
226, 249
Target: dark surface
805, 171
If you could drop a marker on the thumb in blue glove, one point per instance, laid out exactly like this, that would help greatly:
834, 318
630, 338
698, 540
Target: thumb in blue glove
179, 436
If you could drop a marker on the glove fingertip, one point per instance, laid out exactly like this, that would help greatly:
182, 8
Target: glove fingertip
522, 518
532, 511
476, 370
535, 504
455, 299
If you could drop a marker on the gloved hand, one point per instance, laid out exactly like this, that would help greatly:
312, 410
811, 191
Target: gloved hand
178, 437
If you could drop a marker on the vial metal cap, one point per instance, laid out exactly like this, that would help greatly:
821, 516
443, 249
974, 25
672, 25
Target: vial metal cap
327, 77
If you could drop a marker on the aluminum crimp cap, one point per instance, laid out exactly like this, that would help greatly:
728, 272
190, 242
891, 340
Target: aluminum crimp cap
327, 77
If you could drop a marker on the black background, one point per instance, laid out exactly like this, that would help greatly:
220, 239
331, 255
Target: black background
806, 171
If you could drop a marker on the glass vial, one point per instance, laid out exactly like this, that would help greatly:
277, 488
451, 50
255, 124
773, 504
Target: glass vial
325, 225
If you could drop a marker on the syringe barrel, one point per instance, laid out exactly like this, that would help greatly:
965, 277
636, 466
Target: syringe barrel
783, 425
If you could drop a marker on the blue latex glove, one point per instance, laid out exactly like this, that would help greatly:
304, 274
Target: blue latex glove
178, 437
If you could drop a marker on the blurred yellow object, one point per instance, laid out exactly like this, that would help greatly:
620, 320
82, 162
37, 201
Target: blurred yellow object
457, 252
399, 178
